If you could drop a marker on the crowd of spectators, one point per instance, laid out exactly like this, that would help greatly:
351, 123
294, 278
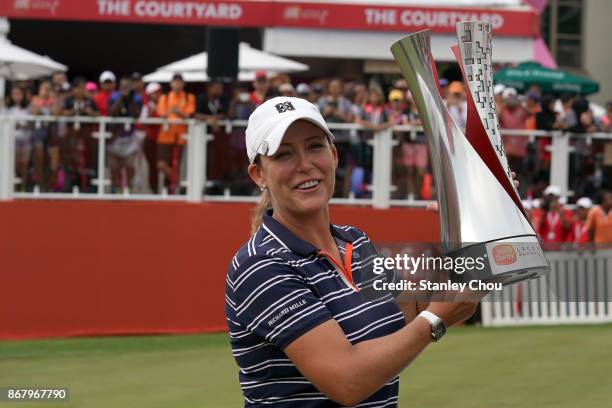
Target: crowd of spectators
60, 156
557, 225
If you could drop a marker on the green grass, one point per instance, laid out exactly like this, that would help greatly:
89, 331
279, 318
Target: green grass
472, 367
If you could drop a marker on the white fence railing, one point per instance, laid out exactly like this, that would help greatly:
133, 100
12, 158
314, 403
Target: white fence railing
578, 290
194, 178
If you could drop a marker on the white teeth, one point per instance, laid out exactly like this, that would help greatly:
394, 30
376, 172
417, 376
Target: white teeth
309, 184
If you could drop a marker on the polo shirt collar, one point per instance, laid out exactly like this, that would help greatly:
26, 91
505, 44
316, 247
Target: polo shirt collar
295, 244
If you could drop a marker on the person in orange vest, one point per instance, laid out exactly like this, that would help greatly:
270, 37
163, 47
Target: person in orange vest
176, 104
599, 220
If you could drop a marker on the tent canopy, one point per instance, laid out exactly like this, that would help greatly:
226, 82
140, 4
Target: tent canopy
550, 80
249, 59
17, 63
166, 76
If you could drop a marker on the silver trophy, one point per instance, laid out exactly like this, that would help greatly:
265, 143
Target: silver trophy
480, 209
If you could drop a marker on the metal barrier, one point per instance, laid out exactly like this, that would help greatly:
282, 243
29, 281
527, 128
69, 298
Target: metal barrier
577, 291
197, 184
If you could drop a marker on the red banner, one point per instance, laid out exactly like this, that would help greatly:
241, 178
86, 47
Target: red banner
264, 13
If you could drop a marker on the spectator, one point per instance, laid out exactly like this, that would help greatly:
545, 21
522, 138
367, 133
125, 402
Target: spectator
18, 106
124, 102
457, 103
584, 115
578, 233
212, 105
556, 220
413, 158
546, 119
240, 108
498, 94
599, 220
149, 110
566, 113
286, 89
176, 104
107, 87
375, 118
260, 88
138, 86
91, 88
532, 106
513, 116
45, 137
80, 148
606, 120
334, 107
305, 91
443, 82
359, 98
59, 81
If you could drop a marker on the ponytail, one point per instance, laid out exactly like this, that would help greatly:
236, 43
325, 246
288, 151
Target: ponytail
264, 204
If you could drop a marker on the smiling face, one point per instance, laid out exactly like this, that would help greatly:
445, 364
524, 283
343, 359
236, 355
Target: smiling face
300, 176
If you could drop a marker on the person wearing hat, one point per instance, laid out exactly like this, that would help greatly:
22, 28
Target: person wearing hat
107, 82
294, 305
260, 88
286, 89
556, 219
578, 233
153, 92
599, 220
80, 148
175, 105
457, 103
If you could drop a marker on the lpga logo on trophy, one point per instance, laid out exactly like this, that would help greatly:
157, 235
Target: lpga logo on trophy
480, 209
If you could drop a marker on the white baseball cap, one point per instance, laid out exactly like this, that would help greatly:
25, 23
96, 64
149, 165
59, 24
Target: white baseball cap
554, 190
269, 122
584, 202
152, 87
509, 92
498, 89
107, 76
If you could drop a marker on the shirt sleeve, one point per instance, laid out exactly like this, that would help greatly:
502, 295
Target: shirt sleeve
274, 302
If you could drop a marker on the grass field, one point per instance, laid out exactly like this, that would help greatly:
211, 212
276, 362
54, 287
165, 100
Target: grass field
472, 367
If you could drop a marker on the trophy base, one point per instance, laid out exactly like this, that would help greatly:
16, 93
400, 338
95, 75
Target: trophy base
506, 261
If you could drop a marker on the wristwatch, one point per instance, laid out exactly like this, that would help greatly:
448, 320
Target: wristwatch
437, 325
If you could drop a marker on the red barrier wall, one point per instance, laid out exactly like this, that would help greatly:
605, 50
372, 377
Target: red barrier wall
95, 268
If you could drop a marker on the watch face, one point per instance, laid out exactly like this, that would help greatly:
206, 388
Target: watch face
438, 330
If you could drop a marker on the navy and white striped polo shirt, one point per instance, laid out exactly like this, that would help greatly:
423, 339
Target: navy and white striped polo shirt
277, 288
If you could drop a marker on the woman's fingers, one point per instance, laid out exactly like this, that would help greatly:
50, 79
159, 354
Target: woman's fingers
433, 206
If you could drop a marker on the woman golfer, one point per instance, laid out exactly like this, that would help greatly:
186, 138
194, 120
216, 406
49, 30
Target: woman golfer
301, 332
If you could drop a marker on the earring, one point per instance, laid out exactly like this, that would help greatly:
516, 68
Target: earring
262, 188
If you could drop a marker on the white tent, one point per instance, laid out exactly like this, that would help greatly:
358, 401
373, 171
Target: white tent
250, 60
193, 76
17, 63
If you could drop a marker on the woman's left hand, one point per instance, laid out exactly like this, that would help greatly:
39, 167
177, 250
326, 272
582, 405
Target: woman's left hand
435, 207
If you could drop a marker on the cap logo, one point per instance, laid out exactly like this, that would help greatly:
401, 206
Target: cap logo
284, 107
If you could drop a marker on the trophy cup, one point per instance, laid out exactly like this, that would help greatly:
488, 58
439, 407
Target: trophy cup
481, 211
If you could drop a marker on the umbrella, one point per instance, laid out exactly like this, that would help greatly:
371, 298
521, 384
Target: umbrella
249, 59
17, 63
550, 80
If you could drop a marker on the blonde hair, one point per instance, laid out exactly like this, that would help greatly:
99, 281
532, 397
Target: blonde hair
264, 204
